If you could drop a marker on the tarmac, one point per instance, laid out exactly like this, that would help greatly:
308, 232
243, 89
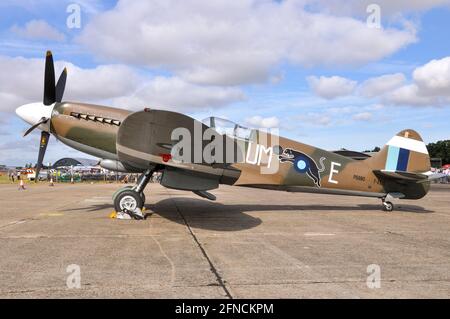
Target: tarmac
248, 244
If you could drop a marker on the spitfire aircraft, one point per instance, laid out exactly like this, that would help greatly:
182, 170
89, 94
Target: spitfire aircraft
149, 141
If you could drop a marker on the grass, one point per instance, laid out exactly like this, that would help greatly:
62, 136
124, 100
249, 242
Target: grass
4, 178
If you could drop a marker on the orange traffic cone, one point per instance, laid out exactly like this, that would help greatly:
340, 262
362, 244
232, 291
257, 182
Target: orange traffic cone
51, 182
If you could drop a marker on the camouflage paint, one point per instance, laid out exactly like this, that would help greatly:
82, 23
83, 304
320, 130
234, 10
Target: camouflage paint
139, 142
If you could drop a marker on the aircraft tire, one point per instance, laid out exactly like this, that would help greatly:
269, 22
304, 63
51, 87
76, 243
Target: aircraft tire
120, 190
388, 206
128, 199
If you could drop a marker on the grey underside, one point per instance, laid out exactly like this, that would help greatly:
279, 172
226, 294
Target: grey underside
308, 189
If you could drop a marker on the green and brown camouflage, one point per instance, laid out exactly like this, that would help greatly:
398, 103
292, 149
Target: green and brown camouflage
144, 139
89, 128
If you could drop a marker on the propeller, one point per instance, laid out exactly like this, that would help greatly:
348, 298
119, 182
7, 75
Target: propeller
42, 148
49, 80
60, 86
52, 94
42, 121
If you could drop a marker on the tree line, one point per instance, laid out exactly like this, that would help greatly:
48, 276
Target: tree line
440, 149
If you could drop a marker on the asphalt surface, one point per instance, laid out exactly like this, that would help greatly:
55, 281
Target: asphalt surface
248, 244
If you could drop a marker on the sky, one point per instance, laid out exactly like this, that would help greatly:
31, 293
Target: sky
333, 74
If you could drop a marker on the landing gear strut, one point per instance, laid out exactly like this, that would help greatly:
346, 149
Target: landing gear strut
130, 198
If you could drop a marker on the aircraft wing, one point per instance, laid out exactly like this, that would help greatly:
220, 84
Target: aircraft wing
148, 139
407, 176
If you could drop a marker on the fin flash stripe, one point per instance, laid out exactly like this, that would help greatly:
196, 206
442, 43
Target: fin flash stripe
397, 159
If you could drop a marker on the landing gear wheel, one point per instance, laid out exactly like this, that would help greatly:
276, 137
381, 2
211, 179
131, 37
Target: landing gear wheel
129, 200
125, 189
388, 206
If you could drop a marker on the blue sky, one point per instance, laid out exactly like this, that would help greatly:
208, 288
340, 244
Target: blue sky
312, 68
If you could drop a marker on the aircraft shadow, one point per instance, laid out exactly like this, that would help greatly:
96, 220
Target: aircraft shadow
399, 208
90, 208
209, 215
223, 217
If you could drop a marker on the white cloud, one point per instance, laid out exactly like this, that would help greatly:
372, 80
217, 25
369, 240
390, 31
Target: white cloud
263, 122
433, 78
430, 86
331, 87
176, 94
363, 116
21, 81
409, 95
379, 85
38, 30
101, 83
314, 119
234, 42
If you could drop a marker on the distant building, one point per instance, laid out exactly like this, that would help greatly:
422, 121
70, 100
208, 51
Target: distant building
70, 161
7, 169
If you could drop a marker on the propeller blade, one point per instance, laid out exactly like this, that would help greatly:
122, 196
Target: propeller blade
41, 121
49, 80
42, 148
61, 85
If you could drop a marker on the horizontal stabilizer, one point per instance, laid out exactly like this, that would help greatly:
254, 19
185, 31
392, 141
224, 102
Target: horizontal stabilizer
407, 176
432, 176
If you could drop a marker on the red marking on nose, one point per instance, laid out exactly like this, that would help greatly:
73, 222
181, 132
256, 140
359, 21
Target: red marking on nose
166, 157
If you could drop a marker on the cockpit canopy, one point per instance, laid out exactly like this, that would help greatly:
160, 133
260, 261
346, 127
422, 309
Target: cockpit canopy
227, 127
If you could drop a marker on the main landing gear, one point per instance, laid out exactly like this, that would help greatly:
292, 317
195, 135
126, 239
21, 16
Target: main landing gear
387, 206
130, 198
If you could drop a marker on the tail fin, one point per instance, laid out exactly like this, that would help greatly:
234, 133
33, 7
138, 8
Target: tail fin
405, 152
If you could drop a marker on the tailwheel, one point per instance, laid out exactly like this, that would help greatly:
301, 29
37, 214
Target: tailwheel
388, 206
128, 200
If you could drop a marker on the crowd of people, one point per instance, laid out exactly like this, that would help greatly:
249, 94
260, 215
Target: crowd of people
156, 178
446, 178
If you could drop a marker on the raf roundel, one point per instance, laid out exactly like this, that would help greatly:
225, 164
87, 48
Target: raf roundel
301, 165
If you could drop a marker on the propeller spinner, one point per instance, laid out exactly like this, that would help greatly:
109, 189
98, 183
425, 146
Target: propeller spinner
38, 115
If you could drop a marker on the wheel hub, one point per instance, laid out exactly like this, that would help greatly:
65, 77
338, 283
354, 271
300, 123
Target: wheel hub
128, 202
